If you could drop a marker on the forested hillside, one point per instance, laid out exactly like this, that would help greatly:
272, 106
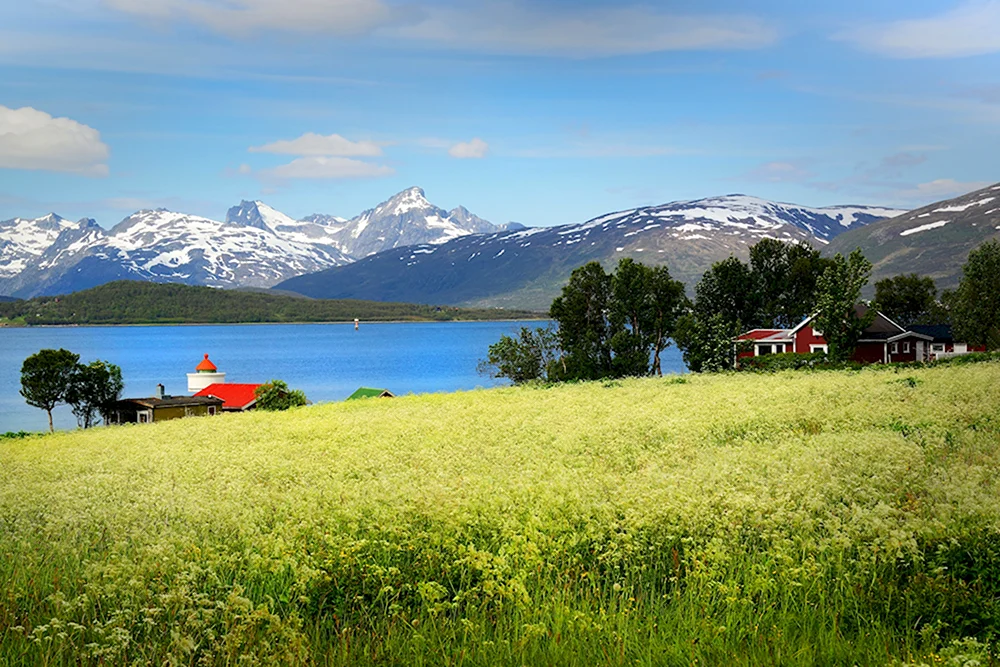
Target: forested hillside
130, 302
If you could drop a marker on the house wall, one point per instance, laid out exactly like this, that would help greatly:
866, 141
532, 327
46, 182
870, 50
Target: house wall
902, 356
869, 353
168, 413
805, 337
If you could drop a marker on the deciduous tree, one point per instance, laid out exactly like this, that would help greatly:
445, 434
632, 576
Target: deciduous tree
275, 395
582, 312
45, 379
976, 302
909, 299
838, 294
533, 354
94, 389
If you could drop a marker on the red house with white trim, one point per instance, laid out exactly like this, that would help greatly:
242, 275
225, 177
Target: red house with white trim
883, 341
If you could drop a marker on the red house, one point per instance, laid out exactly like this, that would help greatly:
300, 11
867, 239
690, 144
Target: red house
883, 341
235, 397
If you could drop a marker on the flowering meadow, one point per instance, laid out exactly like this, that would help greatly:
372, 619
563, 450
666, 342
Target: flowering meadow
794, 518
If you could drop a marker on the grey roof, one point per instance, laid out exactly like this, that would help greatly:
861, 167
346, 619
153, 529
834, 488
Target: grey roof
174, 401
940, 332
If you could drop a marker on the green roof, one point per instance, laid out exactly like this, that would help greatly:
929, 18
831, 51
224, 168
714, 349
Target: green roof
369, 392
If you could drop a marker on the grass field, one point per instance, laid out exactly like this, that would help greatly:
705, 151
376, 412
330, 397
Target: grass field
812, 518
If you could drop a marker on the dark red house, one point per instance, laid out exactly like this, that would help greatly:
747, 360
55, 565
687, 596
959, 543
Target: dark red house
883, 341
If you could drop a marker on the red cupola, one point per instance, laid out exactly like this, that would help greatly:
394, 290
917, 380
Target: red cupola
206, 366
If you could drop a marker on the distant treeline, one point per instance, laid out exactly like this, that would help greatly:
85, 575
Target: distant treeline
132, 302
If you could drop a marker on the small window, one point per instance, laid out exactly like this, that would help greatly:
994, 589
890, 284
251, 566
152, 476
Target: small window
763, 350
937, 348
895, 348
143, 418
906, 348
779, 349
817, 333
211, 410
817, 348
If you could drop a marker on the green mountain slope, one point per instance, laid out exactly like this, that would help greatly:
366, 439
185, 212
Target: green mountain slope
934, 241
131, 302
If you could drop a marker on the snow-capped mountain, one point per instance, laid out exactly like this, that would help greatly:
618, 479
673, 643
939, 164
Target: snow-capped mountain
317, 229
256, 246
23, 241
933, 241
164, 246
405, 219
526, 268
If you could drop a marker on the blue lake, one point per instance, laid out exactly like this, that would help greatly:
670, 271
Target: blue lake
327, 361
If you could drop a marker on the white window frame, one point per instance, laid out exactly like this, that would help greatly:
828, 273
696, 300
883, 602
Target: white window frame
813, 349
757, 350
937, 348
894, 349
906, 347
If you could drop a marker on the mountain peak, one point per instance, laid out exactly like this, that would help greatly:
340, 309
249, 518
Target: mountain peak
408, 200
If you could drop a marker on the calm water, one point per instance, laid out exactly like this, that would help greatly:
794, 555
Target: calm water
327, 361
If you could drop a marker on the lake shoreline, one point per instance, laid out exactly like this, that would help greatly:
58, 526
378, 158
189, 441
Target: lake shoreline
244, 324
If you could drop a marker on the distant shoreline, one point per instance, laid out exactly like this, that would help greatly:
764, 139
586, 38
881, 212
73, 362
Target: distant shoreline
235, 324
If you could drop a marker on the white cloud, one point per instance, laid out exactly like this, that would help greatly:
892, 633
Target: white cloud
32, 139
475, 149
515, 27
326, 168
941, 189
331, 17
521, 28
245, 169
971, 29
311, 144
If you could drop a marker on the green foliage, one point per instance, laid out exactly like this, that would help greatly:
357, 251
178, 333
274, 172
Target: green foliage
46, 377
275, 395
616, 325
93, 391
738, 519
910, 299
133, 302
976, 302
707, 342
532, 355
727, 290
784, 277
584, 329
839, 292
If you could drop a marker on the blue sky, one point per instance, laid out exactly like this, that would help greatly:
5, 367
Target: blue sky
540, 112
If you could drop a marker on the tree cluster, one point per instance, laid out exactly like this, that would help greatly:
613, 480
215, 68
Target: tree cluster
134, 302
275, 395
53, 377
610, 325
615, 325
777, 289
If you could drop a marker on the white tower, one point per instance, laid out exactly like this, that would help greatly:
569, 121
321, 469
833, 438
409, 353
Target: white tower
205, 374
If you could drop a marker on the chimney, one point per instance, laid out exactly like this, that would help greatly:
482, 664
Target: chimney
159, 392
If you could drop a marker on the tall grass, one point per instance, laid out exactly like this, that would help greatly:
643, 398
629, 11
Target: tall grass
836, 518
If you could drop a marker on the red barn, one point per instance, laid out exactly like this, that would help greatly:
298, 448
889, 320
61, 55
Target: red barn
883, 341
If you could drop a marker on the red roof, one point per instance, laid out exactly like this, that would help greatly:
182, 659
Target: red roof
206, 366
760, 334
236, 396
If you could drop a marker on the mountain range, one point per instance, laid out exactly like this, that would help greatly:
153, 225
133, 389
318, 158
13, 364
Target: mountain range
526, 268
256, 246
407, 249
933, 241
